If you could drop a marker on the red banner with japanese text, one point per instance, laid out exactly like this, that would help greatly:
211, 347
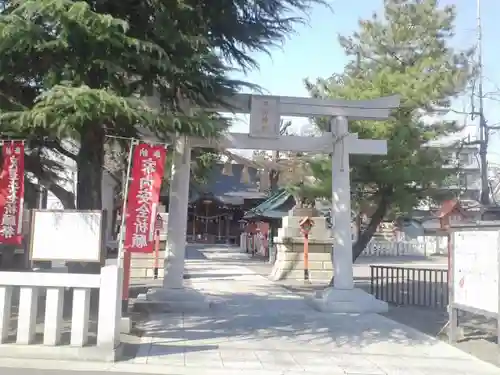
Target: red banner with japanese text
148, 165
12, 192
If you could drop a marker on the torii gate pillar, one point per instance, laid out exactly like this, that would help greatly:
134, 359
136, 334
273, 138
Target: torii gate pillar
343, 297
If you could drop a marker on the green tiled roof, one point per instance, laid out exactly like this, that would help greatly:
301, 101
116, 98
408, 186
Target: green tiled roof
274, 207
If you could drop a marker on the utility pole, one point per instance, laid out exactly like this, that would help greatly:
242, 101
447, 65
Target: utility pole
483, 127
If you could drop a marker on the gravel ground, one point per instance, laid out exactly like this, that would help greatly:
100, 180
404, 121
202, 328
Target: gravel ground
479, 333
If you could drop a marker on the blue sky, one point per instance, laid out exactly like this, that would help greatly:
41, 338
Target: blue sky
313, 51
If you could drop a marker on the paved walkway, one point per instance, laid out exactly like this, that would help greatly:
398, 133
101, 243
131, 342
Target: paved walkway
258, 328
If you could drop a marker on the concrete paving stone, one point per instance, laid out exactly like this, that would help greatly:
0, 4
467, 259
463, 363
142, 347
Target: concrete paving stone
219, 341
441, 350
143, 351
356, 364
362, 370
208, 358
242, 365
448, 372
349, 358
240, 359
388, 361
238, 355
167, 354
172, 359
256, 343
138, 360
402, 370
194, 335
277, 359
381, 349
165, 340
321, 369
313, 359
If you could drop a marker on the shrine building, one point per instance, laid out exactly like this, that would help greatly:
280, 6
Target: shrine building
216, 208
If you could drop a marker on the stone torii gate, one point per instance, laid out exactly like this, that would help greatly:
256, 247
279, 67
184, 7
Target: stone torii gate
265, 115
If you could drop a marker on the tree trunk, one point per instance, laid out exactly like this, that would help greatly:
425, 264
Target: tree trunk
90, 160
359, 221
485, 186
67, 198
274, 175
366, 235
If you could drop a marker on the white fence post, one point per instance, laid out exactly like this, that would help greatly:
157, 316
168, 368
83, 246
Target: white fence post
243, 242
28, 307
80, 317
5, 309
53, 316
108, 329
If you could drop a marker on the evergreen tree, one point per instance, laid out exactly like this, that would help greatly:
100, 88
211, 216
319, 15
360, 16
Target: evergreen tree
81, 69
405, 50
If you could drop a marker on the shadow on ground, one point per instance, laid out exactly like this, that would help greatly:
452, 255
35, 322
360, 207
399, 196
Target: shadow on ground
244, 320
480, 335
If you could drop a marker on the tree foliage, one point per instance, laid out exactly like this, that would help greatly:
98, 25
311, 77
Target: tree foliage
263, 157
83, 70
405, 50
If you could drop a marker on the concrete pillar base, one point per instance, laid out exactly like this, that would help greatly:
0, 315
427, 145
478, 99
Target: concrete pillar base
355, 301
125, 325
289, 264
172, 300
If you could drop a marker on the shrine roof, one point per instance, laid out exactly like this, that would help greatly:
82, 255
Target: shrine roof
229, 189
459, 206
274, 207
447, 207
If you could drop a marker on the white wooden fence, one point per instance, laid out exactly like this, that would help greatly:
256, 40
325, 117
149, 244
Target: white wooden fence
377, 247
257, 243
53, 284
422, 246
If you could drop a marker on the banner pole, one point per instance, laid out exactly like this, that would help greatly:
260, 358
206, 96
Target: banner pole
121, 237
124, 258
156, 254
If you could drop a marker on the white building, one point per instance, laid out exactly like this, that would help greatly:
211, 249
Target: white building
466, 183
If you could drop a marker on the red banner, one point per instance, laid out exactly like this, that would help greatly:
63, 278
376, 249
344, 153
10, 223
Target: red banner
143, 196
12, 193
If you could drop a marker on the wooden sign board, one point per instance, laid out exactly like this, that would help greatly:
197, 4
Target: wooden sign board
474, 272
67, 235
265, 117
